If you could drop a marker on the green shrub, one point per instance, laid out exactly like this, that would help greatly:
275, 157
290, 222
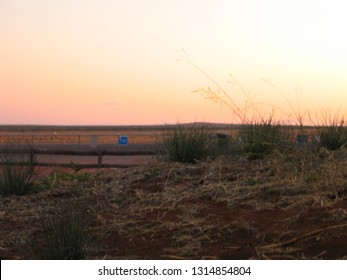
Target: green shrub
261, 138
333, 137
332, 131
64, 237
188, 144
17, 173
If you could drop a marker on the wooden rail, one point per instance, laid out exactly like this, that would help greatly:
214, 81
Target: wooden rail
81, 144
98, 153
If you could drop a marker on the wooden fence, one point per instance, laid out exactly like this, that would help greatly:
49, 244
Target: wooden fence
99, 154
79, 146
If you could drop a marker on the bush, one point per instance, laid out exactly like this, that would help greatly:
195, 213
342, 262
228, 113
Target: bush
261, 138
187, 143
332, 132
64, 237
333, 137
18, 174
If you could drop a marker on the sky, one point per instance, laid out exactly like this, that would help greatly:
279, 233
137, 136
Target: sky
136, 62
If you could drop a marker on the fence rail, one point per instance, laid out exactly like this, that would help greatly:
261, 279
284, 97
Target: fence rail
99, 154
81, 147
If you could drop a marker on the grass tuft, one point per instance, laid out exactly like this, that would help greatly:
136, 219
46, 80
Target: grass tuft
333, 133
261, 138
187, 144
308, 163
17, 173
64, 237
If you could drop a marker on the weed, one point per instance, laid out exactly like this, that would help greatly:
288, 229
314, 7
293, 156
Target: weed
57, 176
261, 138
187, 143
64, 237
251, 181
82, 177
332, 132
18, 173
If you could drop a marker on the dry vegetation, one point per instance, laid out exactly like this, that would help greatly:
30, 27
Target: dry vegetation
284, 206
258, 197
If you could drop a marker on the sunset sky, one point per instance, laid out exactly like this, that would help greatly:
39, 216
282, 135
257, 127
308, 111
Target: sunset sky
113, 62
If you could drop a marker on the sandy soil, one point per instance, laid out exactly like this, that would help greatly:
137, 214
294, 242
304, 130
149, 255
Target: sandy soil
226, 208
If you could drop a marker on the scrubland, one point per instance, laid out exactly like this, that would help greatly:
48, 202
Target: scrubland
254, 195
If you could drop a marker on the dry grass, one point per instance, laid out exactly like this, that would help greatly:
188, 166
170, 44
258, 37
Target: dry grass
223, 208
79, 137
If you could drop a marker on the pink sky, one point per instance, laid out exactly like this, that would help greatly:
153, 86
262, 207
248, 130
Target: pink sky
116, 62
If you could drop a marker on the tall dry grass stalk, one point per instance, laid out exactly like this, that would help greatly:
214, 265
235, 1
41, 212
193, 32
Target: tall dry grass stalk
220, 96
261, 135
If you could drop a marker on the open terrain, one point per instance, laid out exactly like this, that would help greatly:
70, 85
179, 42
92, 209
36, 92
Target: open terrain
85, 139
86, 142
225, 208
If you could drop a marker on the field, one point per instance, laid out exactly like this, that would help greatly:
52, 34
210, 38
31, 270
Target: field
86, 140
226, 207
78, 135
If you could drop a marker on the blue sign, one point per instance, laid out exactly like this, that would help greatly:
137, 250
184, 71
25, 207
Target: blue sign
123, 140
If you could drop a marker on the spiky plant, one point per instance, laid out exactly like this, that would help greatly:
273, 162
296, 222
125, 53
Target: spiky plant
17, 171
64, 237
187, 143
261, 138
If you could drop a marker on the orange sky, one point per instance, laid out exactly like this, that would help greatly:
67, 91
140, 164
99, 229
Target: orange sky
118, 62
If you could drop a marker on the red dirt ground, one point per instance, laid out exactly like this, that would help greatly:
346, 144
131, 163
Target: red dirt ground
221, 209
